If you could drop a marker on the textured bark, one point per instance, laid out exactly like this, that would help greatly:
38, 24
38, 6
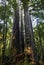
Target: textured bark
29, 32
15, 38
22, 33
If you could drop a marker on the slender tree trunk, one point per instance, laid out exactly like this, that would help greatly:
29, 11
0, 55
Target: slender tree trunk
22, 30
4, 34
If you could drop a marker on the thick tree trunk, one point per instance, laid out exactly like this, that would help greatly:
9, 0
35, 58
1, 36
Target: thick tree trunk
15, 38
29, 32
17, 29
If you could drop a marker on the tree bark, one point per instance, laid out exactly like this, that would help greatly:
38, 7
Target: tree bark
29, 32
15, 38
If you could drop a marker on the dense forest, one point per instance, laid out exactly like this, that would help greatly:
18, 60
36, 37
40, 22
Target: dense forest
21, 32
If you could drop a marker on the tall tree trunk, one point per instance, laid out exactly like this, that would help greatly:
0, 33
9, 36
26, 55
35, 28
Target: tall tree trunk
4, 34
17, 39
17, 29
29, 32
22, 30
20, 27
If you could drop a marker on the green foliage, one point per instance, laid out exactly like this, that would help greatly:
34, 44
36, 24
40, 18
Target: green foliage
25, 2
39, 30
5, 14
38, 14
13, 3
1, 45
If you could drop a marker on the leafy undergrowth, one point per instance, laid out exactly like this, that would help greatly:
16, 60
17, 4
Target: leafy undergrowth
24, 61
29, 63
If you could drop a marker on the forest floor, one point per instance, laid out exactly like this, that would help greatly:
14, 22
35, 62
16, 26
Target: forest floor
21, 63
